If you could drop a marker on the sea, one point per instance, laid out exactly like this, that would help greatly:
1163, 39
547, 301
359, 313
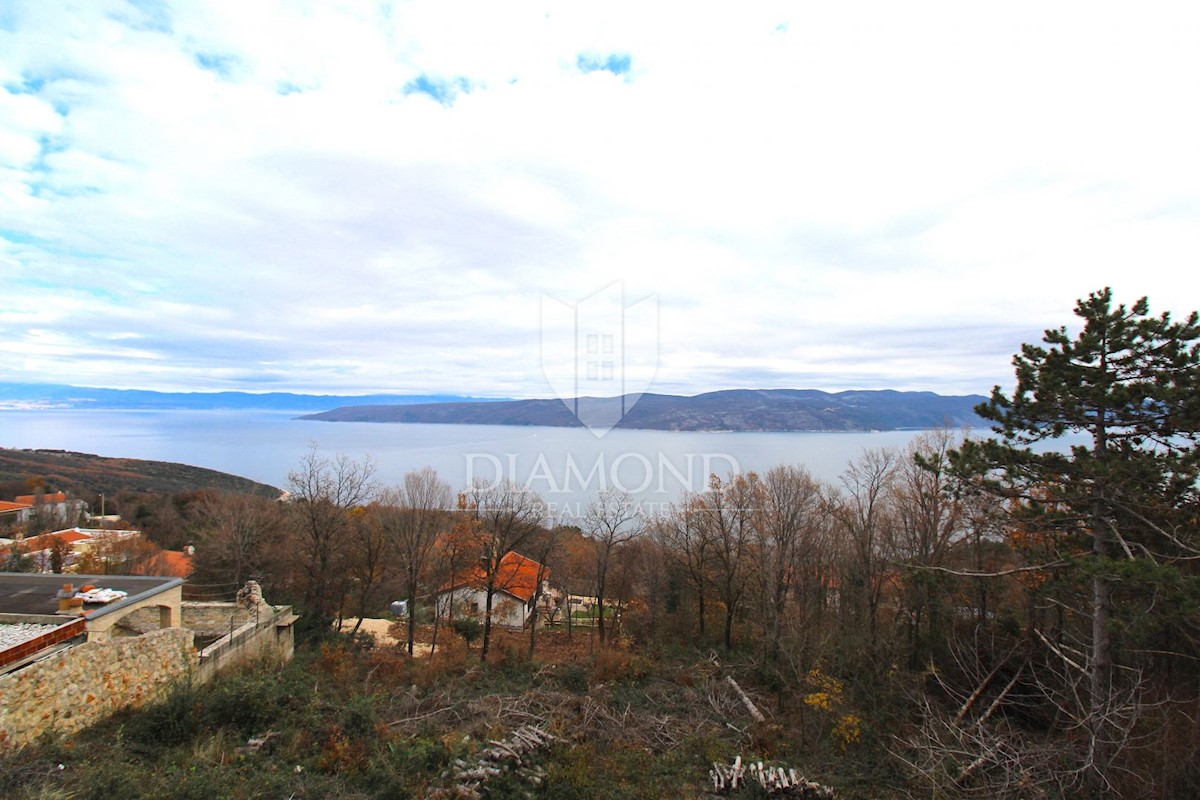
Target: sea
567, 466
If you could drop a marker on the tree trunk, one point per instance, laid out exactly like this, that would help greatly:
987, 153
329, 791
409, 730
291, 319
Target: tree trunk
600, 608
533, 621
487, 626
437, 619
412, 618
1102, 670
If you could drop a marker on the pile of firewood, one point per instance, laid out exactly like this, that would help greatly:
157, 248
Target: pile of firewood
512, 755
776, 781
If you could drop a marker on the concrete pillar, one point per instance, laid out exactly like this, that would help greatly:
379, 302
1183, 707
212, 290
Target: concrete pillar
168, 616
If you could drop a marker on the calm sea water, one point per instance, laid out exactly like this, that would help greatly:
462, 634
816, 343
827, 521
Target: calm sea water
567, 465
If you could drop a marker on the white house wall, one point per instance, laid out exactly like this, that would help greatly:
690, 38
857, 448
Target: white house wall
506, 609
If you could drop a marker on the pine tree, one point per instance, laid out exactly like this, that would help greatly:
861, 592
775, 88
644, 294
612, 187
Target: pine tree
1121, 503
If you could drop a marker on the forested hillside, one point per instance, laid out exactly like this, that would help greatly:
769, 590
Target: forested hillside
84, 473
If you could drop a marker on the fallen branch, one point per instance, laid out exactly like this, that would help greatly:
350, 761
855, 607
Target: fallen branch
420, 717
979, 690
745, 698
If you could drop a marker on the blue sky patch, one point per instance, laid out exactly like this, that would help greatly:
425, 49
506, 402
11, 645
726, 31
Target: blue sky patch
8, 18
617, 63
215, 62
20, 237
147, 15
26, 86
443, 90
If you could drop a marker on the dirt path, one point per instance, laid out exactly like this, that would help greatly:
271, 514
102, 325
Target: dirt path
379, 629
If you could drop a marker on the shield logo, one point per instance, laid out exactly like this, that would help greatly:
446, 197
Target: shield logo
600, 355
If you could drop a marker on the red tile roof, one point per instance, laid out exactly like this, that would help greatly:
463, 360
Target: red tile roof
6, 505
35, 544
517, 576
41, 499
173, 563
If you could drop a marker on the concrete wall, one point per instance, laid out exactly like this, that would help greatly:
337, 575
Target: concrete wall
166, 603
267, 634
80, 685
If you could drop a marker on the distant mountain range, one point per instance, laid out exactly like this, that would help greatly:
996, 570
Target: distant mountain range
44, 395
732, 410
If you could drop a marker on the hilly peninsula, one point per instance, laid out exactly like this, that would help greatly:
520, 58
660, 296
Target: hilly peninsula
730, 410
85, 473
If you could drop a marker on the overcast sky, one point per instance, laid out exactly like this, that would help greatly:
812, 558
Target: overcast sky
384, 196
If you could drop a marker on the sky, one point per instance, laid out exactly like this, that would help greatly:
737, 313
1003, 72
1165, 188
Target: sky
356, 197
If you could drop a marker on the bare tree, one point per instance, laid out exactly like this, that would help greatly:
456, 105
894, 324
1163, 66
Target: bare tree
323, 493
610, 521
461, 545
791, 504
541, 549
864, 511
237, 536
509, 516
930, 518
412, 515
367, 562
687, 539
730, 511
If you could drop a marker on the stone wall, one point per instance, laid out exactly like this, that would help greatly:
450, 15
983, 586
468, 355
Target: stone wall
209, 621
82, 684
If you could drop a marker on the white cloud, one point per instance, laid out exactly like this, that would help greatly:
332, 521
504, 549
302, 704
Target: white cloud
859, 194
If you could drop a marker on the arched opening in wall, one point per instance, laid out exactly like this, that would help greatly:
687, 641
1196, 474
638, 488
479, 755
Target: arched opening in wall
144, 620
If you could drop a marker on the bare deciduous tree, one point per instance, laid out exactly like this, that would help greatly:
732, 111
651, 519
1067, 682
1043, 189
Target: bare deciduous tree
865, 513
730, 511
509, 516
323, 492
683, 534
610, 521
791, 505
929, 520
238, 538
412, 515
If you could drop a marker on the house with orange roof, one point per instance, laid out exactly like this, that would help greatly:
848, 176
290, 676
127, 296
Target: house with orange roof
69, 544
13, 513
174, 563
55, 505
55, 499
513, 601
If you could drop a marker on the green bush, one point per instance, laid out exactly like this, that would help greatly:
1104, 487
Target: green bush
573, 677
468, 628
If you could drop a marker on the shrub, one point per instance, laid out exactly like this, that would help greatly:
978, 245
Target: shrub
468, 628
573, 677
